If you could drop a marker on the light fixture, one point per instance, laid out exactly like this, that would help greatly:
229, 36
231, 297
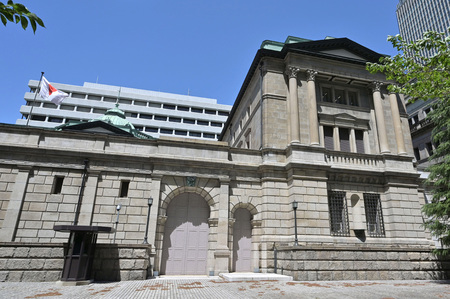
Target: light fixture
295, 206
150, 202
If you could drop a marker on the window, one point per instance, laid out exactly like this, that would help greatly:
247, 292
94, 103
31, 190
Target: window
207, 135
94, 98
195, 134
160, 117
140, 103
84, 109
67, 107
100, 111
57, 184
359, 135
215, 124
202, 123
180, 133
188, 121
212, 112
344, 139
328, 138
337, 205
339, 95
78, 96
139, 128
49, 105
183, 108
151, 129
196, 110
374, 215
223, 113
38, 117
146, 116
166, 131
175, 119
429, 148
417, 153
124, 101
171, 107
110, 100
55, 119
124, 185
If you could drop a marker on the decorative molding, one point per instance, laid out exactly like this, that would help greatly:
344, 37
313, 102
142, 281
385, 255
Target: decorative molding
311, 75
190, 181
162, 220
292, 71
376, 86
213, 222
256, 223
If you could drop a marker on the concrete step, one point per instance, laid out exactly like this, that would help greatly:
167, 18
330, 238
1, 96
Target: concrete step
246, 276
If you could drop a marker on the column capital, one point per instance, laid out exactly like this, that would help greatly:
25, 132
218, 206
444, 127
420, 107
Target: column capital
311, 75
292, 71
376, 86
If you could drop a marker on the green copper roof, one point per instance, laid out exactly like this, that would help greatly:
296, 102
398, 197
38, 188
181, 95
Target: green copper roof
113, 117
116, 117
277, 46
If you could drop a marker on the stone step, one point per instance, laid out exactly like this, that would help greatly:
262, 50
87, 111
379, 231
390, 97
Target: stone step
246, 276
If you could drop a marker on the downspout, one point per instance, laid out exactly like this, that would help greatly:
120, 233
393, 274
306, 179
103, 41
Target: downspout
261, 103
80, 195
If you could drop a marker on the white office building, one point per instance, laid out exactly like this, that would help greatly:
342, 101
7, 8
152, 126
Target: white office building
154, 113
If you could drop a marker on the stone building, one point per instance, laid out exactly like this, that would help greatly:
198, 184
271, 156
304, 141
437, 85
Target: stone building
310, 125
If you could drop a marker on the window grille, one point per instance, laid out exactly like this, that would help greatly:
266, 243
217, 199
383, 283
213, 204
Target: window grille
374, 215
337, 205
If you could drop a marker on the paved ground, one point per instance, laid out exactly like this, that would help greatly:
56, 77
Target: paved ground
215, 287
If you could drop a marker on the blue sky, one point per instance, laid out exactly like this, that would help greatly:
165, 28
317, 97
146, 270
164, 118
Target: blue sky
205, 47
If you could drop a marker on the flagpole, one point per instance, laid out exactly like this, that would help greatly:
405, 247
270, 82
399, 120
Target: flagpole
34, 100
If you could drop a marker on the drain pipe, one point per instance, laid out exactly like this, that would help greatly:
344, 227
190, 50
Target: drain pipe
80, 195
275, 253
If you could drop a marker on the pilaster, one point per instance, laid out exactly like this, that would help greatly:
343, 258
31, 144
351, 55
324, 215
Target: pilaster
294, 126
397, 124
312, 102
379, 116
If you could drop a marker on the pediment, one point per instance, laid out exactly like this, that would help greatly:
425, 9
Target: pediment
335, 48
343, 53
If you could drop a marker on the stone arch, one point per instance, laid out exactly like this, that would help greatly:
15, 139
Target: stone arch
243, 205
185, 189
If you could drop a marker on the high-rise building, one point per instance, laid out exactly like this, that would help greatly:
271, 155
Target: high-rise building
418, 16
414, 18
154, 113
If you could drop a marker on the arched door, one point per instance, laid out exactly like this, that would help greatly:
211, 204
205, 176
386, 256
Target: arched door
242, 241
185, 245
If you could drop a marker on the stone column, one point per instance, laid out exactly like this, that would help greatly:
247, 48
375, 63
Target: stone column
222, 253
154, 193
12, 216
352, 141
397, 124
256, 241
379, 116
366, 142
336, 139
312, 102
89, 196
294, 123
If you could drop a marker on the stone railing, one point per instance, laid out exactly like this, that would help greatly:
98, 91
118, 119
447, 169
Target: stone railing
44, 262
353, 159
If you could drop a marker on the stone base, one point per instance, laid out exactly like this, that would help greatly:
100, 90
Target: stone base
61, 283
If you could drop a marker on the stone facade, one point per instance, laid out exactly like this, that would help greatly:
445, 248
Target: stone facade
347, 160
44, 262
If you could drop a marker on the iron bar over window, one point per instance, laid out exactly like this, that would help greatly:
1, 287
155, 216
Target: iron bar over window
374, 215
338, 214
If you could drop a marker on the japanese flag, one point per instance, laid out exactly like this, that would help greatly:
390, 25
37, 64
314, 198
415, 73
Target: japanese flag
48, 92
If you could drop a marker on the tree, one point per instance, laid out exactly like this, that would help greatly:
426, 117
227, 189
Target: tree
427, 77
16, 12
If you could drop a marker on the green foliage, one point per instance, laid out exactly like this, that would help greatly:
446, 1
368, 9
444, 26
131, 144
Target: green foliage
427, 77
16, 12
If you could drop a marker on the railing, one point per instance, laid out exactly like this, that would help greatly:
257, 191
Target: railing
421, 124
354, 159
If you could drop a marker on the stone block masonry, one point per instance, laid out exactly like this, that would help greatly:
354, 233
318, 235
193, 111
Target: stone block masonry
44, 262
350, 263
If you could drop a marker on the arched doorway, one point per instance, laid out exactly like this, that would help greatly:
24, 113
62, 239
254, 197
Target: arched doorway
185, 245
242, 241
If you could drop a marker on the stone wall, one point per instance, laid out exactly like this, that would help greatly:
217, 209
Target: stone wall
350, 263
44, 262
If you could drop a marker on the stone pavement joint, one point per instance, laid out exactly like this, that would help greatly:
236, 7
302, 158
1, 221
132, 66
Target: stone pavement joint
214, 287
